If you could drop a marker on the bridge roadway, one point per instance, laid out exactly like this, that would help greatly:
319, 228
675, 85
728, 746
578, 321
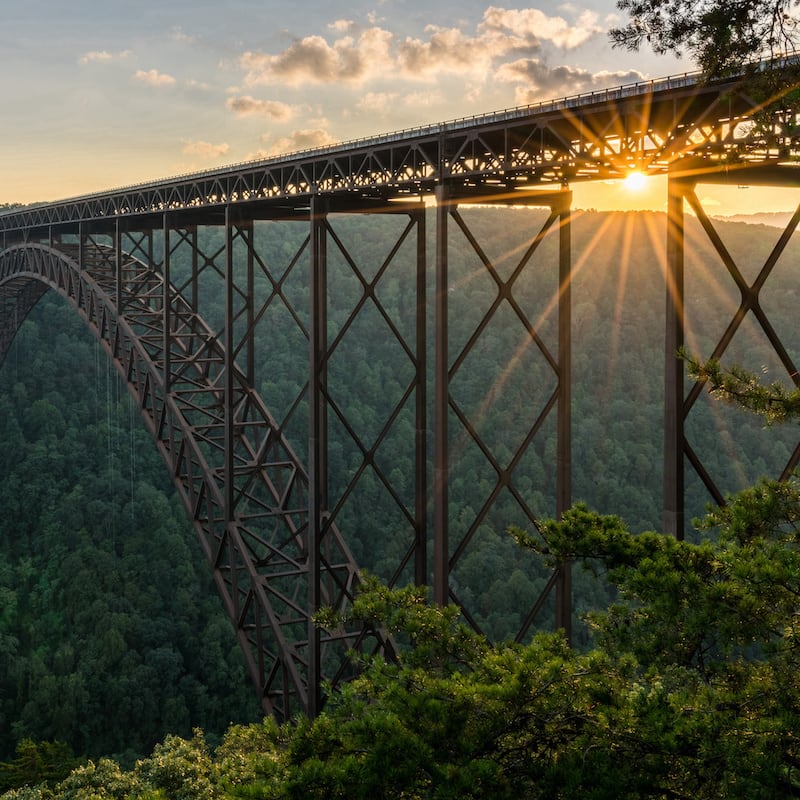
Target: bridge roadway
263, 512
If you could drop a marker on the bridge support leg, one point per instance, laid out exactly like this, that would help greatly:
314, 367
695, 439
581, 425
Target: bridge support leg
441, 550
229, 410
559, 587
673, 366
166, 305
563, 587
118, 263
421, 577
81, 241
317, 450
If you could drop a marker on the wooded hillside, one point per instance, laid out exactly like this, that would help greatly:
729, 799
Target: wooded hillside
111, 634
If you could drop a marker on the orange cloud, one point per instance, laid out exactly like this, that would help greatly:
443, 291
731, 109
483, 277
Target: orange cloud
533, 24
307, 139
537, 81
376, 53
102, 56
154, 78
246, 106
205, 149
313, 59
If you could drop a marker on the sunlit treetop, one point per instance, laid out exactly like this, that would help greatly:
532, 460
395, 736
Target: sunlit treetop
719, 35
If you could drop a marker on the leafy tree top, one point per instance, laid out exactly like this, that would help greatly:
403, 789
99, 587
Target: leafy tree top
719, 35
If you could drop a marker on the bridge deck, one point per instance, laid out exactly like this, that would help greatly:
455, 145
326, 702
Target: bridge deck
651, 125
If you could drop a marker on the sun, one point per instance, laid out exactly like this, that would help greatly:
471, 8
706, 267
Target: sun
635, 181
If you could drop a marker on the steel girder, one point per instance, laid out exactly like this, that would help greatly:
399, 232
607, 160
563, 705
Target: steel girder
245, 490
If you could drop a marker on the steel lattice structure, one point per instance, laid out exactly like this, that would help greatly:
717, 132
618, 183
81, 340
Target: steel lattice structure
135, 265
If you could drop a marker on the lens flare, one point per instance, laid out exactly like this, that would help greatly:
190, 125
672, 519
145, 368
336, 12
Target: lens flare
635, 181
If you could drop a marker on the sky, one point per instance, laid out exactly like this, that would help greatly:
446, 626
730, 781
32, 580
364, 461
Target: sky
97, 96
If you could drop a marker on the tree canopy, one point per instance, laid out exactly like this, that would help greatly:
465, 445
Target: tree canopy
686, 687
89, 507
719, 35
690, 689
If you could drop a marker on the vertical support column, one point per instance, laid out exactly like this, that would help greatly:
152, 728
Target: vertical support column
318, 439
421, 444
228, 398
80, 246
249, 228
441, 457
150, 248
195, 271
118, 263
564, 418
166, 306
673, 368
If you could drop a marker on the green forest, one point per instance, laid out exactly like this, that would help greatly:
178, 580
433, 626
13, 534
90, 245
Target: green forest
112, 640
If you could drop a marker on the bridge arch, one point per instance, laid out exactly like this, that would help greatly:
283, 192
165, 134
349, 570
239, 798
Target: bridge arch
243, 488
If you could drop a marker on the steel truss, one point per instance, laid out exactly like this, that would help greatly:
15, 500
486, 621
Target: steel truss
648, 125
557, 403
245, 490
139, 266
269, 529
679, 403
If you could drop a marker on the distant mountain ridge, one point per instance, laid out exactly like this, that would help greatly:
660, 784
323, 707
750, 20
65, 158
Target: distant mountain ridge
774, 219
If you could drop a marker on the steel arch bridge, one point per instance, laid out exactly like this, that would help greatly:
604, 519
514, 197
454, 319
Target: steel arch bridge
137, 267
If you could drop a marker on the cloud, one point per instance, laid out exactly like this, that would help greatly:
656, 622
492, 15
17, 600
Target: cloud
256, 155
301, 140
531, 23
177, 34
502, 32
313, 59
537, 81
376, 53
447, 50
423, 99
380, 103
154, 78
342, 25
102, 57
504, 46
205, 149
246, 106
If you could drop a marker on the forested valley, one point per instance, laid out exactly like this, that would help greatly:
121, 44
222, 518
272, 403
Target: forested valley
111, 634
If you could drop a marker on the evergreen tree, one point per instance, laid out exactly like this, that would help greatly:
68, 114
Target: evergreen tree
719, 35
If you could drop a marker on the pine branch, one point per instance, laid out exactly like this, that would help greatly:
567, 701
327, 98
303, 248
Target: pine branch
774, 402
